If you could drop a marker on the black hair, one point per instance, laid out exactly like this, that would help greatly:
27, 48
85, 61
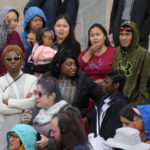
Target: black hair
15, 11
127, 111
107, 43
117, 76
59, 59
39, 35
71, 36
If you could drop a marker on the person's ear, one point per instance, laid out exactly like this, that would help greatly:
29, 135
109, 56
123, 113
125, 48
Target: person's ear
53, 95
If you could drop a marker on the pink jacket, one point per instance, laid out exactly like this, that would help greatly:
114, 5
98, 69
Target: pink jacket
41, 53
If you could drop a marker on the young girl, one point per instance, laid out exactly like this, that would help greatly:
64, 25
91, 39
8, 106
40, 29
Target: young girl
9, 18
34, 19
42, 52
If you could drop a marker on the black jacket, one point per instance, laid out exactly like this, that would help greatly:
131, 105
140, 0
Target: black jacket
86, 89
140, 15
111, 120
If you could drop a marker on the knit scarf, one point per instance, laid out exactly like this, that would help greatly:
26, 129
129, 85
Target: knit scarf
44, 115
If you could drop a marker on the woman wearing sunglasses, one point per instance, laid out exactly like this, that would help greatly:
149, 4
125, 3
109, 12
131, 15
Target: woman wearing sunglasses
134, 61
16, 90
48, 101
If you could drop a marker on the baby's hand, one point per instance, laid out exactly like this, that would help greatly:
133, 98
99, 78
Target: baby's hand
31, 40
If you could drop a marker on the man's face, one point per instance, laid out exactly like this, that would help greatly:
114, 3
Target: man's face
125, 38
107, 85
55, 130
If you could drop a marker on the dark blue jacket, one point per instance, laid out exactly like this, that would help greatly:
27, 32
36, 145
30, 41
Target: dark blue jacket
50, 7
30, 14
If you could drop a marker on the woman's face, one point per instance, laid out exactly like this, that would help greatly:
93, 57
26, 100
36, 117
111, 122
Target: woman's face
69, 68
61, 29
14, 141
13, 62
43, 100
36, 23
97, 36
47, 38
12, 17
125, 122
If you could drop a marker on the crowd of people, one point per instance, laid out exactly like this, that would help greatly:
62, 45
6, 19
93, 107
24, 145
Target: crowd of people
51, 91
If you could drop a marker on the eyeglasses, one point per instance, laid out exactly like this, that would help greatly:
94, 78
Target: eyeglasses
128, 29
16, 58
40, 94
14, 137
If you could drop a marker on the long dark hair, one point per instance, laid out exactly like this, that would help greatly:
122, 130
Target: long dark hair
59, 59
71, 132
107, 43
71, 36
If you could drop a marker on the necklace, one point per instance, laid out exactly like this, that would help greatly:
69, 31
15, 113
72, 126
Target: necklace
101, 51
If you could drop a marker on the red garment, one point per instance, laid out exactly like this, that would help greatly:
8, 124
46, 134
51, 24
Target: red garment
98, 66
12, 39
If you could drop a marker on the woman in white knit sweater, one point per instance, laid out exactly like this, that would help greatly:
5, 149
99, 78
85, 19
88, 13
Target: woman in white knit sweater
16, 91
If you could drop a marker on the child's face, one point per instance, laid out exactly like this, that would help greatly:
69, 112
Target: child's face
35, 24
12, 17
47, 38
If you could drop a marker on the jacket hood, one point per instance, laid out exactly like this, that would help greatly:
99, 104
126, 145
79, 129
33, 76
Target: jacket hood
3, 12
31, 13
135, 37
145, 114
27, 135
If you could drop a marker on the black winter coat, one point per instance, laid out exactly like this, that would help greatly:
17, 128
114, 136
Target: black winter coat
111, 120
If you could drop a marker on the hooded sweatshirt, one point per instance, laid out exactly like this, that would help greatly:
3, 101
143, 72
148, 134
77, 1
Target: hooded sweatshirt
29, 15
145, 114
27, 135
7, 38
134, 62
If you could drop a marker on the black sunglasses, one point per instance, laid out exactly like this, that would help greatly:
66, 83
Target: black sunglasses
16, 58
40, 94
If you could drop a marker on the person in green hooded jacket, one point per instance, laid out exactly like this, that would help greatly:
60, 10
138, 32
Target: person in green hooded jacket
134, 61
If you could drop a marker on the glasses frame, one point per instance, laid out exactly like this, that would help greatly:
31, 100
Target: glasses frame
15, 58
39, 93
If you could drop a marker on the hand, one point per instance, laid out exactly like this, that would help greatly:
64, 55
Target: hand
94, 48
111, 40
85, 121
5, 101
43, 142
7, 20
29, 95
31, 40
99, 82
26, 117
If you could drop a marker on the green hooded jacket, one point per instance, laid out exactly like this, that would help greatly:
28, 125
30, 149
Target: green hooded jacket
134, 62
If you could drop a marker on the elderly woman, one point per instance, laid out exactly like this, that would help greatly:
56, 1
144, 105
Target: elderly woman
16, 90
21, 137
48, 99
